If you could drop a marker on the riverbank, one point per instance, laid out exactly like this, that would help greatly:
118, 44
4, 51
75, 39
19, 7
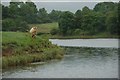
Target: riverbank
102, 35
20, 49
102, 62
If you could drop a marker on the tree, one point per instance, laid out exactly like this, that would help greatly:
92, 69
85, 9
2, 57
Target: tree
118, 15
78, 19
86, 19
14, 25
13, 10
104, 7
54, 31
43, 16
5, 12
112, 23
54, 15
103, 18
66, 22
28, 11
8, 25
86, 10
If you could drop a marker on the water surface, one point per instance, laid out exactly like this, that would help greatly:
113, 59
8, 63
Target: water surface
102, 43
84, 58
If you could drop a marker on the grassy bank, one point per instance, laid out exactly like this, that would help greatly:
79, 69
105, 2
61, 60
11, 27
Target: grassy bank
20, 49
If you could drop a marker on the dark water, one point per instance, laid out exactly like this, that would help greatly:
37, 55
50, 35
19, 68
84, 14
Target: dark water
77, 63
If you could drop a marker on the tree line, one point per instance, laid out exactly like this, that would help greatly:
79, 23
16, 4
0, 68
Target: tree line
102, 18
18, 15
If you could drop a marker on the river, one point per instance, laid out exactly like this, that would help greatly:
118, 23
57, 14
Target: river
98, 43
84, 58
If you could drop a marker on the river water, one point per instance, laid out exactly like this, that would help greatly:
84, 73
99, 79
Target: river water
102, 43
88, 58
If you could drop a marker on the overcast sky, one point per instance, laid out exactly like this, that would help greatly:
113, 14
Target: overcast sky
63, 5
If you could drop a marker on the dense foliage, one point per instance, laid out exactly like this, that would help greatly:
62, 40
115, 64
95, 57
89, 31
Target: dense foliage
18, 15
102, 18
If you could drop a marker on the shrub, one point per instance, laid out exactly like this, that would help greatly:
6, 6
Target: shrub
54, 31
77, 32
14, 25
23, 26
8, 25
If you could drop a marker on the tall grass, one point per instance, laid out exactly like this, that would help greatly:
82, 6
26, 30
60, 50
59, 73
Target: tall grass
26, 50
24, 59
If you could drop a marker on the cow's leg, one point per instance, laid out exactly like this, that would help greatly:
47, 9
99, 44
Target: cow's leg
33, 36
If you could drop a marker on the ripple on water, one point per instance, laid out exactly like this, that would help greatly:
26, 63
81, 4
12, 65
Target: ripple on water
79, 63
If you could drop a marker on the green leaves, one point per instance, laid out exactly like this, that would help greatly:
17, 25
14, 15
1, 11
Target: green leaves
104, 7
54, 15
103, 18
43, 16
66, 22
112, 23
14, 25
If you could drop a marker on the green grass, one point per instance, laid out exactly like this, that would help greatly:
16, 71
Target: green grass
16, 37
25, 50
45, 28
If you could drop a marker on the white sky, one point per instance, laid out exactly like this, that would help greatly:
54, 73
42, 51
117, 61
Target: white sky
63, 5
63, 0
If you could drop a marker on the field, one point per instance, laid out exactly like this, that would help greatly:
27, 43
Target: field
19, 48
45, 28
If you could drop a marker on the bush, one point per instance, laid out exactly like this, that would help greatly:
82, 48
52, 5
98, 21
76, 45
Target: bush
76, 31
8, 25
14, 25
54, 31
23, 26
